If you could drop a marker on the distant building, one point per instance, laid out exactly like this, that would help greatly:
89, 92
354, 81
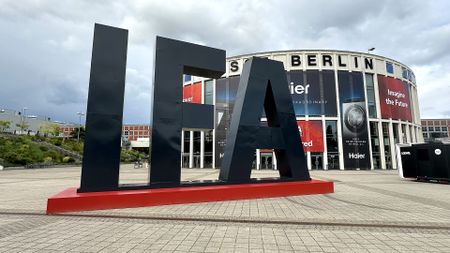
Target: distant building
21, 123
130, 132
138, 135
66, 130
135, 131
435, 129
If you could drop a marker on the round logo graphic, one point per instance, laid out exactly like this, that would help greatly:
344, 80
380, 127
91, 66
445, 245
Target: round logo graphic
355, 118
438, 151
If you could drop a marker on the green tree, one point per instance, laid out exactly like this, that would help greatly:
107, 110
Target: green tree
74, 133
4, 125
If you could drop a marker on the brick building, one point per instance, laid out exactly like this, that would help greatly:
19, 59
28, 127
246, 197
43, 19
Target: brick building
130, 132
435, 129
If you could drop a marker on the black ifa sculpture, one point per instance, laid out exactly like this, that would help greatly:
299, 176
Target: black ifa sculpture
263, 86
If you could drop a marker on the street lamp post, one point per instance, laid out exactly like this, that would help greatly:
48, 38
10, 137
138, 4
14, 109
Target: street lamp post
22, 128
370, 50
80, 114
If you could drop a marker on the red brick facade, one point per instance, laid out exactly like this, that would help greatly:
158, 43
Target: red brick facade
132, 132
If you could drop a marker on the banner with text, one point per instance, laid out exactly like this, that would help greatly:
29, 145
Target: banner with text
355, 138
394, 98
311, 133
313, 92
192, 93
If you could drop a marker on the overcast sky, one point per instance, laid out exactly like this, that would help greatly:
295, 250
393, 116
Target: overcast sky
45, 46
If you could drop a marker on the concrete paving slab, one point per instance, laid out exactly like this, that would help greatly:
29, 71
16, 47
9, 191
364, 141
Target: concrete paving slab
371, 211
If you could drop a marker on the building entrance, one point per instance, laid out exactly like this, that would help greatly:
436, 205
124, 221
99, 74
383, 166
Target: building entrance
266, 162
317, 161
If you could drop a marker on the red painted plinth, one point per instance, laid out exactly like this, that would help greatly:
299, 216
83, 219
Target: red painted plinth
71, 201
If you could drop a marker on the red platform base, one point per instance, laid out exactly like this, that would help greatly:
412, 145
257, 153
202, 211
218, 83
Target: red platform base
71, 201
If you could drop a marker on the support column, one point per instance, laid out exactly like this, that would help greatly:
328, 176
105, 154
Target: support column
308, 159
202, 149
340, 146
392, 146
408, 133
258, 159
182, 148
400, 132
369, 136
325, 147
191, 149
381, 142
274, 160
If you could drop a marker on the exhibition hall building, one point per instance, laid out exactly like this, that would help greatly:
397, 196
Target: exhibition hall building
351, 108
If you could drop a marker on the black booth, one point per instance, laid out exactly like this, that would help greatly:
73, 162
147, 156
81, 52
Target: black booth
426, 161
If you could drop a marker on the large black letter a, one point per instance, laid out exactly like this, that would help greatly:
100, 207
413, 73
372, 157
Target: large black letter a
263, 84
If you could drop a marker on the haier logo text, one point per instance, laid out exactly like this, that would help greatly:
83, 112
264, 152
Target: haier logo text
356, 156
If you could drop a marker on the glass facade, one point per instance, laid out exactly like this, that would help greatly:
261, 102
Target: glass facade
350, 113
387, 145
208, 156
371, 96
209, 92
186, 149
375, 144
332, 144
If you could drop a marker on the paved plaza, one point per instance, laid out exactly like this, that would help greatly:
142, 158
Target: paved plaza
370, 211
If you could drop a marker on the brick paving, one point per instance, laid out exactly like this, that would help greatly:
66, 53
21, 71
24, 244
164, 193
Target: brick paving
371, 211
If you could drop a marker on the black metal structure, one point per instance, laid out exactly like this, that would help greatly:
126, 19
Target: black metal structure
173, 59
263, 85
101, 160
428, 161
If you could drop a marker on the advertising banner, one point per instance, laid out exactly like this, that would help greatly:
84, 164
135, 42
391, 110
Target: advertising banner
354, 120
313, 92
394, 98
311, 134
192, 93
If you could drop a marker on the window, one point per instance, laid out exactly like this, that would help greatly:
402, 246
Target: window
371, 96
395, 132
209, 94
405, 73
439, 135
331, 135
332, 144
208, 159
389, 68
186, 141
187, 78
375, 143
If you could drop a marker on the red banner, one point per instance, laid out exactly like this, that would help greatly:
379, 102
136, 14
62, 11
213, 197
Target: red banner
192, 93
394, 98
311, 133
